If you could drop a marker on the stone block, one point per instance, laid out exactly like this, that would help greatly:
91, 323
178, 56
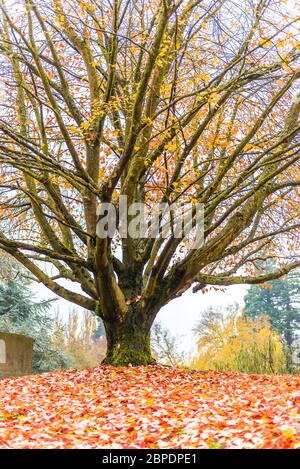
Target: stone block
15, 355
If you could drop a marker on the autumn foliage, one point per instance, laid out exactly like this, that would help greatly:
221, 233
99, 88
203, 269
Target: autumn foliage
238, 344
149, 407
75, 340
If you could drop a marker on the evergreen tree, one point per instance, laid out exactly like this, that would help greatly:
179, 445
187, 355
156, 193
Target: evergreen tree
21, 314
99, 331
280, 300
17, 304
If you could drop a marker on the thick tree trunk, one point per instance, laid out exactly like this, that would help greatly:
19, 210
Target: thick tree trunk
128, 343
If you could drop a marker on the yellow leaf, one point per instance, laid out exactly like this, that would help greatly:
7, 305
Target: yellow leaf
289, 432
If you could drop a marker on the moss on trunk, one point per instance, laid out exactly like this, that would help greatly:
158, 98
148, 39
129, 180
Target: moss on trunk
128, 344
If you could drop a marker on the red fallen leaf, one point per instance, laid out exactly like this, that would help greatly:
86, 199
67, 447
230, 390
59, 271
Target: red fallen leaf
149, 407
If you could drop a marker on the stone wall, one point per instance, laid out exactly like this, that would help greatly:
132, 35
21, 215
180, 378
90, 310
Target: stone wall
15, 355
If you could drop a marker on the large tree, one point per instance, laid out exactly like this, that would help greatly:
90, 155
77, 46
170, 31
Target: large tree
159, 101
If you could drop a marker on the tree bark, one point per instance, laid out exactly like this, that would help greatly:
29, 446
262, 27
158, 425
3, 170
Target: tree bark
128, 342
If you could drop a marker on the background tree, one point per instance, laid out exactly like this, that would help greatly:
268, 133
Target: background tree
280, 301
160, 101
73, 343
229, 342
17, 303
75, 338
166, 347
99, 330
21, 314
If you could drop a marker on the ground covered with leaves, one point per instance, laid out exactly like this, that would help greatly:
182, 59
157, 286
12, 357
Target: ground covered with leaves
149, 407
